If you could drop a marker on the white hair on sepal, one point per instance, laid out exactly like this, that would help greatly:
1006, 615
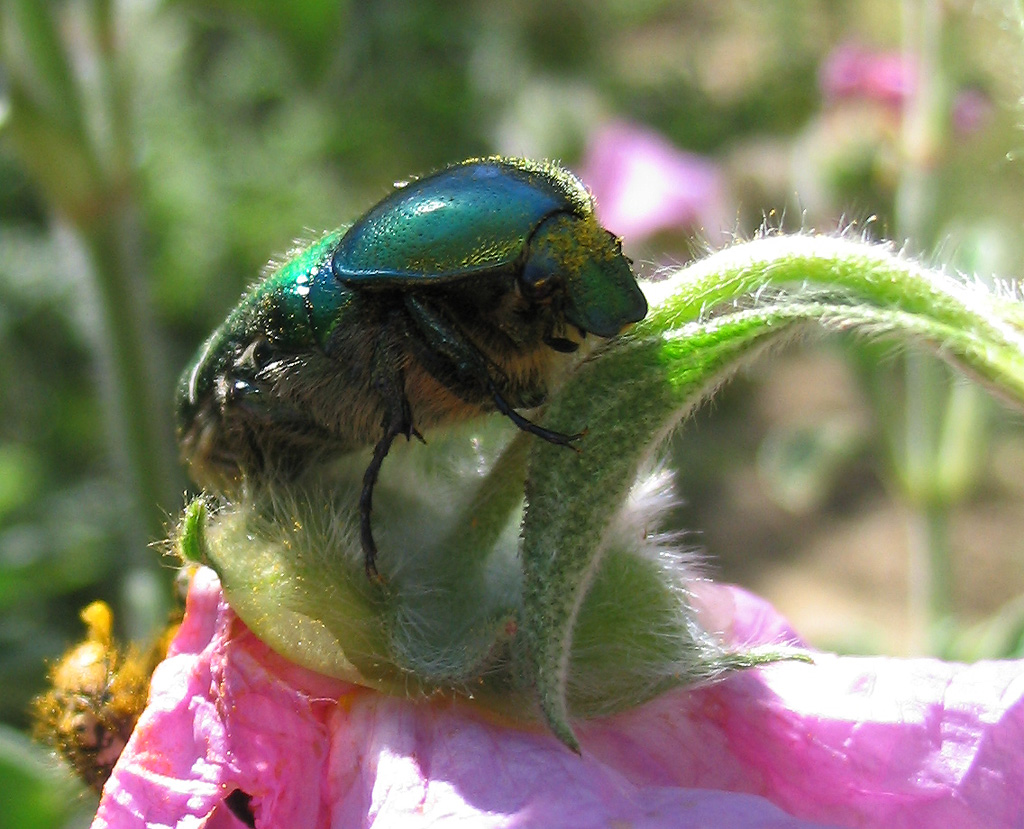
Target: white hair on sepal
639, 524
638, 633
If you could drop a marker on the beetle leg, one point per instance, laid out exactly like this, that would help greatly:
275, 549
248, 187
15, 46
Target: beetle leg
472, 364
527, 425
446, 340
389, 382
380, 451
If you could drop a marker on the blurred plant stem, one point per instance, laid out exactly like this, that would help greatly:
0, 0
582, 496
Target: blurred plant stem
73, 132
918, 456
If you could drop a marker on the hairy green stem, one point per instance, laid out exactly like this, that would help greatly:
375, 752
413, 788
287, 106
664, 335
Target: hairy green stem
705, 322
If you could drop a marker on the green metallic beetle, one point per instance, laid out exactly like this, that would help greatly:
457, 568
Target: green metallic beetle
460, 293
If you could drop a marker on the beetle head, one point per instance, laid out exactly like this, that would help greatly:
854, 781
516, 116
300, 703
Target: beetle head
579, 267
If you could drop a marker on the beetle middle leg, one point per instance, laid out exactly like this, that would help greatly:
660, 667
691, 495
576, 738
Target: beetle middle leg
380, 451
388, 380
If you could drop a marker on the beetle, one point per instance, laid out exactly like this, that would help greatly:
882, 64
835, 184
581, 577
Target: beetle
462, 292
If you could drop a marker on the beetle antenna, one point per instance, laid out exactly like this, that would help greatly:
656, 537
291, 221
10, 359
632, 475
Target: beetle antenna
560, 344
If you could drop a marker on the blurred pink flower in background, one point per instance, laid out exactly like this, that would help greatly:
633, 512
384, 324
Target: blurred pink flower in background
643, 184
847, 741
972, 111
852, 71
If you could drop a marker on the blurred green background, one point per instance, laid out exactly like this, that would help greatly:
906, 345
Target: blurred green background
154, 155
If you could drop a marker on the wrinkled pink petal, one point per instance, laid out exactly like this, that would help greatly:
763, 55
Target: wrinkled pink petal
643, 184
847, 741
219, 719
740, 617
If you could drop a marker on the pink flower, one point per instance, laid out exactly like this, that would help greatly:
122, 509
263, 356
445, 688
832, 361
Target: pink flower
852, 71
848, 741
972, 111
643, 184
890, 79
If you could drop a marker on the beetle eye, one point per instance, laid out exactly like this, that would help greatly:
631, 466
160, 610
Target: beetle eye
536, 283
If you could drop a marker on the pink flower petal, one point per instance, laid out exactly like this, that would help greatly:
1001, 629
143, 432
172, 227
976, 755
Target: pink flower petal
219, 719
847, 741
643, 184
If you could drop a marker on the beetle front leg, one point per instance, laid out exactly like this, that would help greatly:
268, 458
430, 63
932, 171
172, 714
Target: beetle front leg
471, 364
527, 425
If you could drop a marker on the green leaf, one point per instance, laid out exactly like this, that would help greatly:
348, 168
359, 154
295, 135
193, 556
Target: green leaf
35, 790
309, 28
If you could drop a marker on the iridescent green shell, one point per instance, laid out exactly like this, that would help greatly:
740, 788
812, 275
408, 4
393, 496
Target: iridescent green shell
469, 218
